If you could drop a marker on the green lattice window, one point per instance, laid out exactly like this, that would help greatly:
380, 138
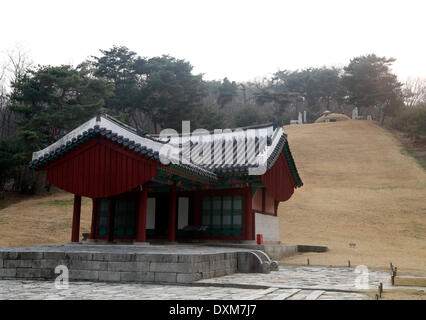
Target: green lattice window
124, 218
125, 213
222, 215
103, 217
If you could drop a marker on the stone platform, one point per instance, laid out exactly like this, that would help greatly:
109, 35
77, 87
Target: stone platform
129, 263
274, 251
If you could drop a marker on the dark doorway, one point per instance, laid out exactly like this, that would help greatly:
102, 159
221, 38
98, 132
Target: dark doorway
162, 215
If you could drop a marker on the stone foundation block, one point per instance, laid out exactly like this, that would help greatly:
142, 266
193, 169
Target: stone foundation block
10, 255
48, 273
201, 267
30, 255
89, 265
17, 263
28, 273
170, 267
54, 255
130, 266
185, 258
117, 257
90, 275
184, 278
170, 277
79, 256
109, 276
7, 273
49, 263
158, 258
137, 276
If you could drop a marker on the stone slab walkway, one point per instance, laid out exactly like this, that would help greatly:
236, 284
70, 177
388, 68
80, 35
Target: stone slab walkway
310, 277
45, 290
289, 283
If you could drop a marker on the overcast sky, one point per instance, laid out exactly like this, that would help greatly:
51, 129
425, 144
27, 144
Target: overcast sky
241, 40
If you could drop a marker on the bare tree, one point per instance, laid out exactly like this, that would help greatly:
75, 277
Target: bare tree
414, 91
4, 112
16, 65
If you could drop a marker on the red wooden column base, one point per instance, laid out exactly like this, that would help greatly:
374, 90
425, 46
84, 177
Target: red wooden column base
75, 233
142, 207
172, 214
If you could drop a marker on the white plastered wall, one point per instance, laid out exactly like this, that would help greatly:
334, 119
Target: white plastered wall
268, 226
150, 214
183, 210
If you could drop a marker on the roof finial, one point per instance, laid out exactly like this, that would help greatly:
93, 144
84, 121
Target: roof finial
100, 113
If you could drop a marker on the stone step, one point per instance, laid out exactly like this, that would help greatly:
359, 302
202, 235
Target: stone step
301, 295
285, 295
314, 295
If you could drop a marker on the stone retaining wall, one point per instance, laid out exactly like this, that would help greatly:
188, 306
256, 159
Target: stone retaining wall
122, 267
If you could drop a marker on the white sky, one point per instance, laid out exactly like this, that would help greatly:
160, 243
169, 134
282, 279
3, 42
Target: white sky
241, 40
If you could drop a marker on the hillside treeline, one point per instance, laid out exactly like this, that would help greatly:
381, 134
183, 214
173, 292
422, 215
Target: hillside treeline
40, 104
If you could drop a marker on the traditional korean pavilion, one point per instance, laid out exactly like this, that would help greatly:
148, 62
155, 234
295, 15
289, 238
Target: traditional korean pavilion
141, 193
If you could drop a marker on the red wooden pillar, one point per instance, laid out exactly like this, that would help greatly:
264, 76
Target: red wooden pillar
111, 214
172, 214
249, 214
95, 209
142, 206
75, 234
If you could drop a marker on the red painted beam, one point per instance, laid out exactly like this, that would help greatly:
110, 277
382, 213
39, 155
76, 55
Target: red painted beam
172, 214
142, 206
75, 233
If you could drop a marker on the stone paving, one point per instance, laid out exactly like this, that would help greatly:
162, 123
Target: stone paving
289, 283
45, 290
314, 277
42, 290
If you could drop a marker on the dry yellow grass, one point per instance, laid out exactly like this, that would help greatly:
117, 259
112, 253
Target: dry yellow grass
399, 294
41, 220
358, 187
410, 281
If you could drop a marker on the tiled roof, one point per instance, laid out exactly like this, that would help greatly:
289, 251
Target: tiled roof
240, 147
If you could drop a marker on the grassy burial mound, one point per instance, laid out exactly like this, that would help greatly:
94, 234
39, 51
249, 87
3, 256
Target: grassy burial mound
359, 187
332, 117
